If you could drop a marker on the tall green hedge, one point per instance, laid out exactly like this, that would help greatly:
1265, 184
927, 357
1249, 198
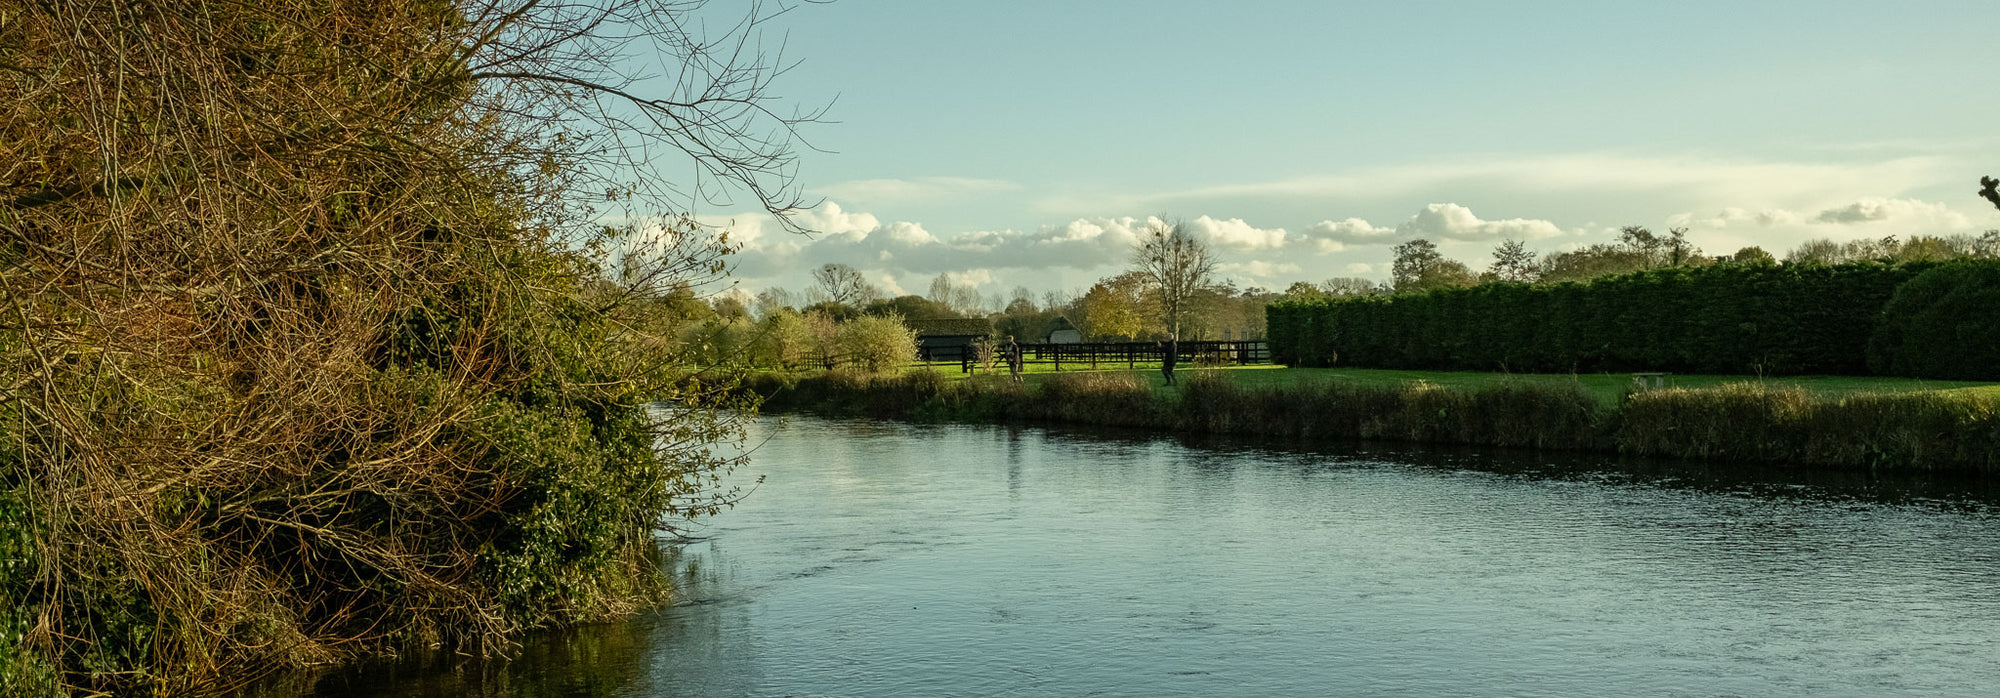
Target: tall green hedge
1738, 319
1945, 323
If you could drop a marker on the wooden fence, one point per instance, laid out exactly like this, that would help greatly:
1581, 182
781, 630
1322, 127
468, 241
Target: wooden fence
1095, 355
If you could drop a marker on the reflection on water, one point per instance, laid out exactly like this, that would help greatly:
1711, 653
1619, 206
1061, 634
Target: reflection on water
892, 559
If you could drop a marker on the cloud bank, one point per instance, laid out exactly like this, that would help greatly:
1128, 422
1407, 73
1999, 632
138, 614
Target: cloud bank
901, 254
1554, 202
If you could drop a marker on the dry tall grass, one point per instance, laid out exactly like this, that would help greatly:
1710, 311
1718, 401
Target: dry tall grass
1745, 422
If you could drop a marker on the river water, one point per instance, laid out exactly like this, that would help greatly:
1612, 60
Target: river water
885, 559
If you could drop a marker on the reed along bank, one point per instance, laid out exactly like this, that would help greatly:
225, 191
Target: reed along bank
1741, 422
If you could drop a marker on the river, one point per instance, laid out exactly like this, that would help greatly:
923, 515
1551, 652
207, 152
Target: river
889, 559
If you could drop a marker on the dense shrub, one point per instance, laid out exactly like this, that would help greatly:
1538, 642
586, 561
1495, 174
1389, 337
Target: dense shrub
790, 340
1945, 323
876, 344
22, 671
1746, 319
315, 349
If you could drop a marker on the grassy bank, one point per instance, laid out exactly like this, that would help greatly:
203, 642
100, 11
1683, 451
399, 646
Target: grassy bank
1944, 430
1608, 388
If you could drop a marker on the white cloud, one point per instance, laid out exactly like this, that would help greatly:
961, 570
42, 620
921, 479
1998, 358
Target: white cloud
1258, 270
829, 219
1079, 244
1879, 210
1436, 221
967, 277
1455, 222
1737, 216
1334, 236
1359, 268
1235, 234
861, 240
887, 282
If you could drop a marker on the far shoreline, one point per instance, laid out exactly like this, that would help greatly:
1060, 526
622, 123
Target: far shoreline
1838, 423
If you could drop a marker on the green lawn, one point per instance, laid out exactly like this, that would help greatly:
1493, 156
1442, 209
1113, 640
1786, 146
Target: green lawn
1606, 386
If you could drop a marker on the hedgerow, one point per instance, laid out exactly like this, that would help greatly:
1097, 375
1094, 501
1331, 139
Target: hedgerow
1945, 323
1729, 319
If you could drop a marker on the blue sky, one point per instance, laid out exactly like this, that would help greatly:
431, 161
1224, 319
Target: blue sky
1018, 143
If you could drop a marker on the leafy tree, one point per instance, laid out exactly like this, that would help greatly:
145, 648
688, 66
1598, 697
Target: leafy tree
1753, 256
1922, 248
910, 308
837, 312
772, 300
1513, 262
1304, 290
1987, 245
1637, 249
1341, 286
876, 344
1420, 267
1925, 248
1024, 322
1820, 251
788, 339
730, 308
961, 298
1021, 300
1221, 311
1118, 308
1670, 250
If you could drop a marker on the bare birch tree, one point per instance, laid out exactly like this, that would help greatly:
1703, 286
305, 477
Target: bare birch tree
1178, 266
844, 285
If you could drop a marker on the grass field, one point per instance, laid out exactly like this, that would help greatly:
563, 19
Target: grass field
1607, 387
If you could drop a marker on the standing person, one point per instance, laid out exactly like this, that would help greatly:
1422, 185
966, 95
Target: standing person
1013, 358
1168, 358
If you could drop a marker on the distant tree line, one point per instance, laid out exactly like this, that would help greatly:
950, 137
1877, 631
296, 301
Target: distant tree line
1127, 306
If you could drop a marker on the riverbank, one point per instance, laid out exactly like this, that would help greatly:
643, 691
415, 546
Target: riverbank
1608, 388
1931, 430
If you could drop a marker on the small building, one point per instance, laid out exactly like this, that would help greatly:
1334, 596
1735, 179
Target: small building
1061, 331
949, 339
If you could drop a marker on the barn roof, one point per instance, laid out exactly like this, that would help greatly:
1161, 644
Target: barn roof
939, 327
